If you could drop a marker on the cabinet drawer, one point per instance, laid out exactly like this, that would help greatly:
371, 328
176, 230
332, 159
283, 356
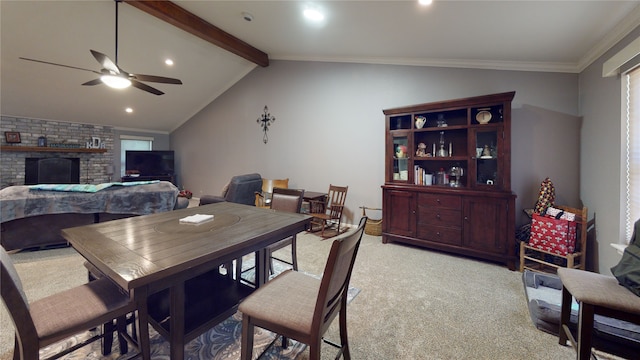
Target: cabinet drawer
439, 217
440, 234
439, 200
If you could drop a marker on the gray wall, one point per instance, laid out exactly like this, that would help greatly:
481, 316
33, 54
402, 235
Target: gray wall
329, 127
601, 149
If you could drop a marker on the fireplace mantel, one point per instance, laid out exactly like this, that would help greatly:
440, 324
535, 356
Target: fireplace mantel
50, 149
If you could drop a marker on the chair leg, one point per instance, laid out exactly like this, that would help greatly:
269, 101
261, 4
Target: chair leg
314, 349
246, 348
269, 255
16, 349
344, 339
239, 269
585, 331
522, 249
565, 316
294, 253
121, 326
107, 337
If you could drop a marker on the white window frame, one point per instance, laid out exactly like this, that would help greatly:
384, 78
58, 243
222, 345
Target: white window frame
123, 149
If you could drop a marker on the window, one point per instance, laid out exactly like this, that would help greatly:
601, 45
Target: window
632, 176
128, 142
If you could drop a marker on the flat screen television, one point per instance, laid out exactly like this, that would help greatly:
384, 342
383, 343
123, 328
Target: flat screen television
149, 163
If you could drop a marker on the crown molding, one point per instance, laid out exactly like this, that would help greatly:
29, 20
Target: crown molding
450, 63
624, 28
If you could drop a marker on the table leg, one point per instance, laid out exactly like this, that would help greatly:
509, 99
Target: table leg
144, 343
177, 321
262, 267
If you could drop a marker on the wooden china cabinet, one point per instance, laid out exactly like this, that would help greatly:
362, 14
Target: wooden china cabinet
448, 177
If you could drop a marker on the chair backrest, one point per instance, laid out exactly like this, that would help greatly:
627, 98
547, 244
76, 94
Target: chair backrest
267, 189
269, 184
289, 200
242, 189
335, 278
335, 200
581, 225
15, 299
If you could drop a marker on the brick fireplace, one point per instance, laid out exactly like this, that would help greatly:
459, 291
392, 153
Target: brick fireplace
92, 166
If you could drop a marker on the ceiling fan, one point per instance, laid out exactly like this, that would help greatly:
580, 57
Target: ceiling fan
113, 76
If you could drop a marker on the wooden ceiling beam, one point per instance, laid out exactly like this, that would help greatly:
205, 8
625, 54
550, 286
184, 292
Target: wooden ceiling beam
189, 22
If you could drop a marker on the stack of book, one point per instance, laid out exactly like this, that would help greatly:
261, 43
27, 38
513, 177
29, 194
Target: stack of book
422, 177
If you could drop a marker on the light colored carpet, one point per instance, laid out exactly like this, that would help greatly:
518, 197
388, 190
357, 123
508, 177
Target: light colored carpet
413, 304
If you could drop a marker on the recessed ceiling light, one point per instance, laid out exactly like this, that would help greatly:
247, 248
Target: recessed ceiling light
169, 62
128, 110
313, 14
425, 2
247, 16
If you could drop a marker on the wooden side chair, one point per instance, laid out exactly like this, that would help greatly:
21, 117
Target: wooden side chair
301, 307
329, 211
263, 198
540, 260
289, 200
61, 315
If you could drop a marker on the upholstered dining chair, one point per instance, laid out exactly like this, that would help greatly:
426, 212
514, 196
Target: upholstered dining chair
330, 210
263, 198
61, 315
289, 200
596, 294
301, 307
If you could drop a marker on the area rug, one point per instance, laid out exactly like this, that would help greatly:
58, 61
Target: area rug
221, 342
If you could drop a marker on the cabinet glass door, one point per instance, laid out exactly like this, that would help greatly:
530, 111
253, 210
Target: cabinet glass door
400, 158
488, 148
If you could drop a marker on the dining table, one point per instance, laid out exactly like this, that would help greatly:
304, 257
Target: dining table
172, 269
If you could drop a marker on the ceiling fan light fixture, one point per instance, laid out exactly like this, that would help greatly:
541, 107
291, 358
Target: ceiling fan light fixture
116, 82
313, 14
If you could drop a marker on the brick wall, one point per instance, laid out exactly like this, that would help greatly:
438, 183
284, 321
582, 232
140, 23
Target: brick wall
92, 165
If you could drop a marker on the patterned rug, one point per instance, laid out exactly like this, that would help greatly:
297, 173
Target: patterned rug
221, 342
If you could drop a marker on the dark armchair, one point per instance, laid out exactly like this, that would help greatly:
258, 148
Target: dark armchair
241, 190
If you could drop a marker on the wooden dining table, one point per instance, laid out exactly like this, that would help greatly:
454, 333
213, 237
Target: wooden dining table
171, 269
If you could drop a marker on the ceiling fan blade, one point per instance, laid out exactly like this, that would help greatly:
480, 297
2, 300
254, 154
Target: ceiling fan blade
67, 66
93, 82
145, 87
158, 79
105, 62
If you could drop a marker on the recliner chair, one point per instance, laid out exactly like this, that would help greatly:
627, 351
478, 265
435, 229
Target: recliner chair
241, 190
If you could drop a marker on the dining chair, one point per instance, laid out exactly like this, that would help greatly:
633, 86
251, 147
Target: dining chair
119, 325
61, 315
282, 199
263, 198
596, 294
301, 307
329, 210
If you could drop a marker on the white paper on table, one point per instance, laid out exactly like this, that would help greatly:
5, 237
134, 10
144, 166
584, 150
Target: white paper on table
196, 219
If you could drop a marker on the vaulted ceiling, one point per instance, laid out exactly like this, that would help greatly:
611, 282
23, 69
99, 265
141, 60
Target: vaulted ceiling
556, 36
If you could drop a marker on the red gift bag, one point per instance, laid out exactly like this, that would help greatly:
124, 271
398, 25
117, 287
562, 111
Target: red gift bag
556, 236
